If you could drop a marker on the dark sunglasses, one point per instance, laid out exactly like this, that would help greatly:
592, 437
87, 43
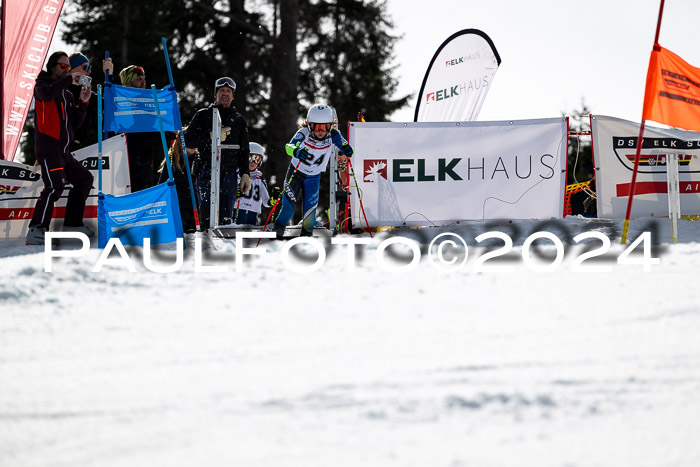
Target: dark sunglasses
320, 126
63, 66
86, 66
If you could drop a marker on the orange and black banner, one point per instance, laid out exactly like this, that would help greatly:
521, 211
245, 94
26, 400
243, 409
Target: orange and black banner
673, 91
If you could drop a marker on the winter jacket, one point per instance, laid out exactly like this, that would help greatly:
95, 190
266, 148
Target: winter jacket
86, 135
198, 135
145, 152
57, 115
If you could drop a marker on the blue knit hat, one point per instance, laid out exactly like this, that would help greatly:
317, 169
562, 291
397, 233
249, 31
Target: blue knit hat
78, 60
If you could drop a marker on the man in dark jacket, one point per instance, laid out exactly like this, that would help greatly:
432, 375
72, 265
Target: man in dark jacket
198, 135
57, 116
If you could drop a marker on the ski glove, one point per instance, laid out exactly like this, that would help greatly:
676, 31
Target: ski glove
346, 149
225, 131
300, 153
276, 193
245, 183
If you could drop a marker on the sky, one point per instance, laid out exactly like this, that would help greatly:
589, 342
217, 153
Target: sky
554, 52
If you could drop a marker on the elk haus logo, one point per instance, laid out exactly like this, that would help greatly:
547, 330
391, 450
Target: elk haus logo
441, 169
373, 169
464, 58
457, 90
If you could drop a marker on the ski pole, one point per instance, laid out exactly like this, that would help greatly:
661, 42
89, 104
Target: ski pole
195, 210
238, 205
274, 206
362, 206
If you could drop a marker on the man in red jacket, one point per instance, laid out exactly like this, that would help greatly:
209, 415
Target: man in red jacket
57, 116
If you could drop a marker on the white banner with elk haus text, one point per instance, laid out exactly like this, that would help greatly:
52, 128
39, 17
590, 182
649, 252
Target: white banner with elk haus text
20, 186
614, 150
441, 173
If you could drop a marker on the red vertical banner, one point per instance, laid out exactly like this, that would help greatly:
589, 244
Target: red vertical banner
27, 29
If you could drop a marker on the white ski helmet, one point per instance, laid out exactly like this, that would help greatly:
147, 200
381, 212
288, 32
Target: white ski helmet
320, 113
256, 150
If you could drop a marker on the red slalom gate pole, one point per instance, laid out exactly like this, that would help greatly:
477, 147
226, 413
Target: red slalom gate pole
638, 154
274, 206
362, 206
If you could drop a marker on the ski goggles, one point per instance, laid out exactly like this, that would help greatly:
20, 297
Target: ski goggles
320, 126
255, 159
225, 81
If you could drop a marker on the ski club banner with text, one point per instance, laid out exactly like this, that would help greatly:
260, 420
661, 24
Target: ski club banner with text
20, 186
133, 110
154, 212
27, 30
423, 174
458, 78
614, 150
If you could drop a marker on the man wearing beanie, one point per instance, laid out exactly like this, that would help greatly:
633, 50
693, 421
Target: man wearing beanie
86, 135
133, 76
145, 149
198, 135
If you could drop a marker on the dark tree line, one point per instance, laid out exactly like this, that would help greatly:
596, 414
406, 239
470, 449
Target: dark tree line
283, 55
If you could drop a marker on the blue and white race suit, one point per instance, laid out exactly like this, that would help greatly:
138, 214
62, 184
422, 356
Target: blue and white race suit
305, 182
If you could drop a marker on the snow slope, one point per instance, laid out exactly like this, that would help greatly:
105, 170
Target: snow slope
343, 367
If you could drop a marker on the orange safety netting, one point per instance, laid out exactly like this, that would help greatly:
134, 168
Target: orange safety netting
570, 190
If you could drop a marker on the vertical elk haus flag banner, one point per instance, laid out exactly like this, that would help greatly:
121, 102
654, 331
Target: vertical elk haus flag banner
439, 173
672, 94
458, 78
27, 30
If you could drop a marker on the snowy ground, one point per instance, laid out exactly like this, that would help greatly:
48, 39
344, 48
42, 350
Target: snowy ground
267, 367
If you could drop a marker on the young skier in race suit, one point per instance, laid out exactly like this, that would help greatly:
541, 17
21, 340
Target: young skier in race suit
311, 148
249, 205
